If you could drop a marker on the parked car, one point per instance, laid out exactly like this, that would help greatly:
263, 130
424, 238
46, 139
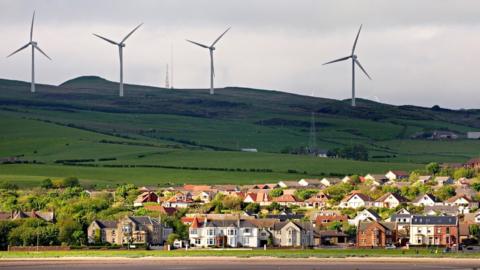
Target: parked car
391, 246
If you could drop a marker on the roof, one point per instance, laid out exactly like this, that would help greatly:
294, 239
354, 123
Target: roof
421, 196
359, 194
473, 161
459, 196
371, 212
331, 233
159, 208
264, 222
303, 225
103, 224
197, 187
444, 209
400, 173
387, 225
284, 217
286, 198
388, 194
6, 215
434, 220
147, 196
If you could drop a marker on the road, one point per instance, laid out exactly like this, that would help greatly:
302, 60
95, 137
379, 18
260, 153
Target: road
243, 264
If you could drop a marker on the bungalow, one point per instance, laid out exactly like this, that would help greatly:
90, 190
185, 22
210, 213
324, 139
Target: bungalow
441, 210
325, 219
330, 181
261, 198
426, 200
330, 238
147, 196
203, 196
288, 200
376, 234
376, 179
319, 200
423, 179
289, 184
129, 230
396, 175
463, 202
346, 179
433, 230
443, 180
356, 199
473, 163
365, 215
46, 216
310, 183
179, 200
169, 211
389, 200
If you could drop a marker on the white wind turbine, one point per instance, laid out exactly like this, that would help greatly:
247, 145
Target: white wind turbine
211, 48
120, 45
34, 45
353, 56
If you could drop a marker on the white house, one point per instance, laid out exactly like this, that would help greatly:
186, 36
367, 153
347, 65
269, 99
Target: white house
223, 233
365, 215
309, 182
356, 200
395, 175
443, 180
389, 200
425, 200
330, 181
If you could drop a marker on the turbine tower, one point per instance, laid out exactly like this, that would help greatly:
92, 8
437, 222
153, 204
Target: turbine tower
120, 45
211, 48
34, 45
354, 58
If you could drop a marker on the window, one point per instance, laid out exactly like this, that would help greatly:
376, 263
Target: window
198, 241
246, 230
439, 230
210, 232
193, 231
246, 241
210, 242
232, 232
448, 230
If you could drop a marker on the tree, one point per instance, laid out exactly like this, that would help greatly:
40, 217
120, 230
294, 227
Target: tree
8, 186
67, 228
474, 230
338, 191
172, 237
445, 192
253, 207
335, 225
463, 172
432, 168
277, 192
71, 182
304, 194
46, 183
232, 202
5, 227
476, 186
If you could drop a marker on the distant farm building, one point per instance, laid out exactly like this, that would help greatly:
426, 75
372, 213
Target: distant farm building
473, 135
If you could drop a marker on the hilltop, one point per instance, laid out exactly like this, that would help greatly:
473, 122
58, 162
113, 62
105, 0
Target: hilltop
83, 118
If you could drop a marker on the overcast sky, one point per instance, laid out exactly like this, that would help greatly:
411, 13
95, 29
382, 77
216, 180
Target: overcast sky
417, 52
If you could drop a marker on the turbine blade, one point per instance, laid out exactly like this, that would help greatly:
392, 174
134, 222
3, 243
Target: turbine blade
40, 50
360, 66
338, 60
23, 47
215, 42
131, 32
198, 44
356, 39
31, 27
106, 39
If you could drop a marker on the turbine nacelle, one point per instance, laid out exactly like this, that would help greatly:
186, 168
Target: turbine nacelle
122, 45
34, 43
354, 56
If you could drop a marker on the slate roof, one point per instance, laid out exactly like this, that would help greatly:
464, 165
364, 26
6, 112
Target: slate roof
434, 220
106, 224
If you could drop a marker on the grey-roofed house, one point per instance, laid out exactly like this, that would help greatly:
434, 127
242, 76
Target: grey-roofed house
142, 230
434, 230
293, 234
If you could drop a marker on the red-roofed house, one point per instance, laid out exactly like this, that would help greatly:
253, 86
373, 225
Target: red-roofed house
288, 200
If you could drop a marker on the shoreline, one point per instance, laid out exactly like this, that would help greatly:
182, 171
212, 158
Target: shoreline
256, 259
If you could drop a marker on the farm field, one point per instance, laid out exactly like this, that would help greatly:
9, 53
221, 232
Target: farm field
155, 136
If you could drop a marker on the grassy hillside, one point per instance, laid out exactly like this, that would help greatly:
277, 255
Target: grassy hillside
192, 136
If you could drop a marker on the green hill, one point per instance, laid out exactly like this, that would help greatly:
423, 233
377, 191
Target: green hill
195, 136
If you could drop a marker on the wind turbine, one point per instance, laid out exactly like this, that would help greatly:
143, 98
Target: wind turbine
211, 48
120, 45
354, 58
34, 45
